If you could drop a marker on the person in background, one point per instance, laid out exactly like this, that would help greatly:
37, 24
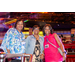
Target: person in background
14, 40
34, 45
50, 52
61, 37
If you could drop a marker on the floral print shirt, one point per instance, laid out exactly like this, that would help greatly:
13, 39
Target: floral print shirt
14, 41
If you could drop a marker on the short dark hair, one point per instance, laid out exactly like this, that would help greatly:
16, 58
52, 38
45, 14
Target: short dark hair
35, 26
17, 22
50, 27
61, 35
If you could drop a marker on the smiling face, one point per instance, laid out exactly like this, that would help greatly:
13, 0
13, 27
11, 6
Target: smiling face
47, 30
36, 31
19, 26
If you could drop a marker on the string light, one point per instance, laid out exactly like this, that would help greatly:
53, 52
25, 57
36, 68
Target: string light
26, 20
12, 21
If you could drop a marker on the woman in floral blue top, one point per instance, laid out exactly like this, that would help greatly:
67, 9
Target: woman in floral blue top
14, 39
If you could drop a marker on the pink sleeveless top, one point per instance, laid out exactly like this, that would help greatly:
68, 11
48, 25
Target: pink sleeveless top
51, 53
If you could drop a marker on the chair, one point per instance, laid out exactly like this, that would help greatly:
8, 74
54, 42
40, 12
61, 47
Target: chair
73, 47
73, 42
67, 46
70, 58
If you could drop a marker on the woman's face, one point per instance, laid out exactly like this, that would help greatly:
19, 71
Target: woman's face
36, 31
19, 26
47, 30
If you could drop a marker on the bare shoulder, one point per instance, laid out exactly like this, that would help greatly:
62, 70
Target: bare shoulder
56, 35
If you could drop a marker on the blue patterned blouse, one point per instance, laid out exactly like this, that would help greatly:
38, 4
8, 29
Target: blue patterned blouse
14, 41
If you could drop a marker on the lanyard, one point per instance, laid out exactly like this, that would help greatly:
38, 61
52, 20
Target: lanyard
47, 40
51, 43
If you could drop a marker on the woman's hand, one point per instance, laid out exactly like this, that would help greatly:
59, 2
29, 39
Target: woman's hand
42, 56
64, 57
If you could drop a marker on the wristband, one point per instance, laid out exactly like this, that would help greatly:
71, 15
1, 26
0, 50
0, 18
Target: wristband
65, 52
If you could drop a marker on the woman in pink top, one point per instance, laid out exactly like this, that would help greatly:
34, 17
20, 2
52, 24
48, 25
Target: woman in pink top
51, 53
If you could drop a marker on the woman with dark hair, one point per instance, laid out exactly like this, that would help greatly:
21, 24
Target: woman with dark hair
20, 21
34, 45
51, 53
14, 40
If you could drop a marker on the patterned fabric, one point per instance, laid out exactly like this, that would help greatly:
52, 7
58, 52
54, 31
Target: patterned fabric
14, 41
36, 54
30, 44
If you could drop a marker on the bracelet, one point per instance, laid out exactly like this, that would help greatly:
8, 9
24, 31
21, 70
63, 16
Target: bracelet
65, 52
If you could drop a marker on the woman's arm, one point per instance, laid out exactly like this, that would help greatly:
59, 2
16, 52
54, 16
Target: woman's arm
26, 46
8, 51
42, 55
59, 42
8, 40
61, 45
9, 55
5, 42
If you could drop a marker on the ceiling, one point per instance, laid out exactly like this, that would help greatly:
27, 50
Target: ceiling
58, 20
53, 17
4, 14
